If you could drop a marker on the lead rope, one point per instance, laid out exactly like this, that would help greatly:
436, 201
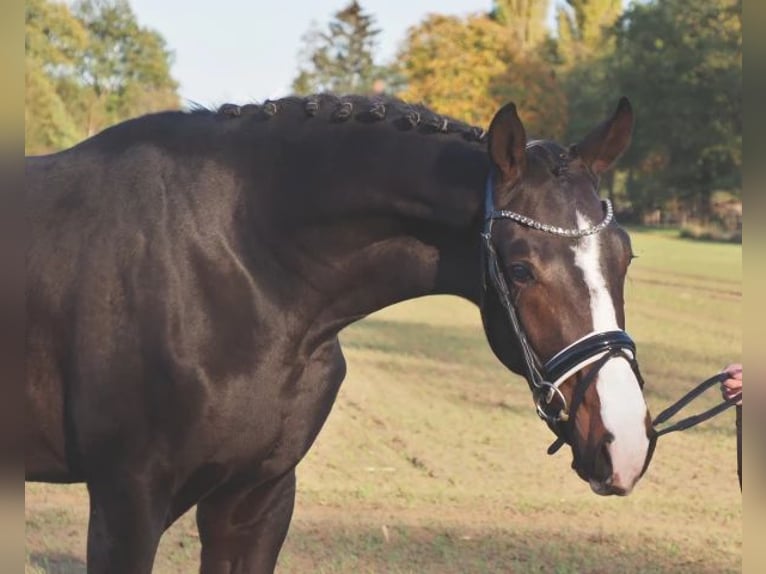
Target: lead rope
739, 445
693, 420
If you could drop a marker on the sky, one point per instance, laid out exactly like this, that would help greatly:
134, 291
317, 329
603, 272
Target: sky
247, 50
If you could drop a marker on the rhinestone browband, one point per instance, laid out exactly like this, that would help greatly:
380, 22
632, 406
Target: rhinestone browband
529, 222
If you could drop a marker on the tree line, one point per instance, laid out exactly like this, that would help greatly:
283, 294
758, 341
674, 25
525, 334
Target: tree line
679, 61
88, 67
92, 64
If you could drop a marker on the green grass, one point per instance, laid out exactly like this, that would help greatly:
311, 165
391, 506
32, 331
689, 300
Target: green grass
434, 461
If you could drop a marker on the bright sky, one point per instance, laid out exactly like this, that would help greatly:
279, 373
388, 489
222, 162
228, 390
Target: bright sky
247, 50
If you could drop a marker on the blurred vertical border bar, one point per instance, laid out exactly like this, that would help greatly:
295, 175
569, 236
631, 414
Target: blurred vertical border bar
754, 287
12, 230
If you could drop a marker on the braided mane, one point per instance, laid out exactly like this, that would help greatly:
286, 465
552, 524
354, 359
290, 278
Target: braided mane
366, 109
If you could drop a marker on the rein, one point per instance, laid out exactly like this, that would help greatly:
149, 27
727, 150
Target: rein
595, 349
693, 420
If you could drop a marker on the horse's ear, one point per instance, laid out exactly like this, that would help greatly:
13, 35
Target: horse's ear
602, 147
507, 142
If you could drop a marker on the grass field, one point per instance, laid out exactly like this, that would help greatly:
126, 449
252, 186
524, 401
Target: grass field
433, 460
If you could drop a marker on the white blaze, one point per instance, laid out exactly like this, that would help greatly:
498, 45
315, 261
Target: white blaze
623, 410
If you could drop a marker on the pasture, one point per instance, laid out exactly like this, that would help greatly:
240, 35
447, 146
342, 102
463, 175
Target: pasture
433, 460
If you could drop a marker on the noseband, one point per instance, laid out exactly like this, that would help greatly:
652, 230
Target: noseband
593, 350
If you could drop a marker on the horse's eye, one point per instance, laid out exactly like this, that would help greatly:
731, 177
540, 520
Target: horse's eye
520, 273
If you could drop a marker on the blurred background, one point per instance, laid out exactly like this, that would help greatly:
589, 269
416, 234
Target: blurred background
92, 63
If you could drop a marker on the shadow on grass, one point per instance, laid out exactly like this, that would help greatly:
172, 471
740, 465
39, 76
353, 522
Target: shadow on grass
56, 563
326, 547
332, 548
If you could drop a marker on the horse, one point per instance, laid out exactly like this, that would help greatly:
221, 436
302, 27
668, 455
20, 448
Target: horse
188, 274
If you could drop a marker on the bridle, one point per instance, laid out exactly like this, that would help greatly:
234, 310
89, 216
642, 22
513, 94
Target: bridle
593, 350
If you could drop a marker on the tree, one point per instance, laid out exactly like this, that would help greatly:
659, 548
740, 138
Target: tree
469, 67
89, 67
583, 28
48, 125
125, 67
584, 44
524, 20
53, 36
53, 40
341, 59
681, 62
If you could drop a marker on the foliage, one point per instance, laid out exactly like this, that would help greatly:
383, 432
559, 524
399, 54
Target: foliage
582, 45
53, 40
89, 67
125, 66
468, 67
681, 63
582, 27
340, 59
524, 20
48, 123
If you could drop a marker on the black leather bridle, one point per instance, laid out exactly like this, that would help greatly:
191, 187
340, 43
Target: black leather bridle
593, 350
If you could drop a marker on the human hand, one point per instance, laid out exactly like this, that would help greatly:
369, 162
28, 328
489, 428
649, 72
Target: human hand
732, 386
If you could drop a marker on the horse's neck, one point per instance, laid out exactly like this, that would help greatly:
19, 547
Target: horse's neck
379, 230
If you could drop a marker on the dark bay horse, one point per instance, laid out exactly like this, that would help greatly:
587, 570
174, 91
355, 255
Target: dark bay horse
189, 272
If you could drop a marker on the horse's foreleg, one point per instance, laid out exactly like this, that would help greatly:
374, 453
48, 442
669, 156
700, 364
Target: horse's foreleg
127, 518
242, 526
242, 529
